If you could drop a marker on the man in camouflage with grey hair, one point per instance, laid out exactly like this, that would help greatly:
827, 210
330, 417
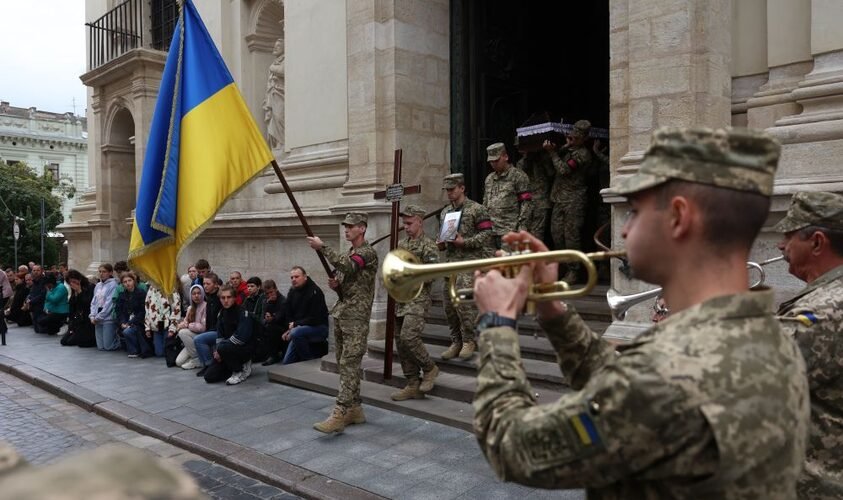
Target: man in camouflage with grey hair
507, 194
410, 315
355, 281
709, 403
569, 192
813, 247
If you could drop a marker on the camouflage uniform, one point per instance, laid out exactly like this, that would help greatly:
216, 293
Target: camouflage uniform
814, 317
356, 273
539, 169
569, 191
410, 315
476, 229
507, 196
710, 403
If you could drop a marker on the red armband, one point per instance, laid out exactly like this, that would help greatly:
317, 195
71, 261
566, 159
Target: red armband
484, 225
360, 261
572, 163
525, 196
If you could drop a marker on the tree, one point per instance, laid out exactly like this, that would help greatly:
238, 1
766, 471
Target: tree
22, 191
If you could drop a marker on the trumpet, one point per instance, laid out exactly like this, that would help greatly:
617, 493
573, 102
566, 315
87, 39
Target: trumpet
620, 304
404, 277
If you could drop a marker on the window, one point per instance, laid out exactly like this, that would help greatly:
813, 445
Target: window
51, 170
164, 15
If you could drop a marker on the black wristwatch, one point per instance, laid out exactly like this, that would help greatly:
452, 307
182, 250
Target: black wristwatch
491, 320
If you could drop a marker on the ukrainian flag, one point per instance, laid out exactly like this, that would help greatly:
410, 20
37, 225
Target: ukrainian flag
203, 147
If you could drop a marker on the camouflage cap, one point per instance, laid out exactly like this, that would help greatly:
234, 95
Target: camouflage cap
354, 218
413, 211
453, 180
813, 209
740, 159
495, 151
581, 128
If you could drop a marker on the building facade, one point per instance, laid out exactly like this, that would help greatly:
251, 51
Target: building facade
338, 85
50, 143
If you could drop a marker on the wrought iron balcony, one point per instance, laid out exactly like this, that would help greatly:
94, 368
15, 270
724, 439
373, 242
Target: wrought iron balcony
130, 25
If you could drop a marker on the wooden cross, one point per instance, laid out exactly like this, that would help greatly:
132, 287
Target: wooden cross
393, 194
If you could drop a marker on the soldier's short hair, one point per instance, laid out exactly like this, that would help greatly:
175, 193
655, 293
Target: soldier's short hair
303, 272
732, 228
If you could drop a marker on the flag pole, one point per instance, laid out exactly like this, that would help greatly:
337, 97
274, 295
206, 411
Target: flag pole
307, 230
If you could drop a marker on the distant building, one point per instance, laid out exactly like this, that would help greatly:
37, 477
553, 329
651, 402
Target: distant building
54, 143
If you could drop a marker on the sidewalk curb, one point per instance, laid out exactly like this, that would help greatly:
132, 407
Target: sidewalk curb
266, 468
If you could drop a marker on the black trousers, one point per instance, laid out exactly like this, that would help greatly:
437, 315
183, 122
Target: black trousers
233, 356
51, 323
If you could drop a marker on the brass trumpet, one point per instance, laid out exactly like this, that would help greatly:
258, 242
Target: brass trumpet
404, 277
620, 304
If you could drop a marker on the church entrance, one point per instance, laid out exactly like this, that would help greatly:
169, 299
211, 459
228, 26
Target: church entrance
511, 60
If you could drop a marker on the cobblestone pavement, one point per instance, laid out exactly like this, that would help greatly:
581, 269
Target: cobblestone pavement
44, 429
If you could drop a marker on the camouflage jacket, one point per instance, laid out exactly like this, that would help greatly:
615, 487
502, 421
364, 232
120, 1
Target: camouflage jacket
570, 180
539, 169
815, 319
475, 228
425, 250
509, 200
709, 403
356, 272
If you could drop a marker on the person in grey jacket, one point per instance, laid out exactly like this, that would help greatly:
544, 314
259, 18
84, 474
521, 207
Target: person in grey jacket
105, 328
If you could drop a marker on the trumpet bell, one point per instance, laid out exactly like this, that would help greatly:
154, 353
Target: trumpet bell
396, 274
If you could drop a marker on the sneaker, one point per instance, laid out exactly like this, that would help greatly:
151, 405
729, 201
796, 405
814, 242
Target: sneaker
247, 369
235, 378
190, 364
133, 356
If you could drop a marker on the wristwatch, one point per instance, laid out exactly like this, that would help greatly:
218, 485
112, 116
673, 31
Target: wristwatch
491, 320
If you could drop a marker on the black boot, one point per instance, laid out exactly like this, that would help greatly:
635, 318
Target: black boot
271, 361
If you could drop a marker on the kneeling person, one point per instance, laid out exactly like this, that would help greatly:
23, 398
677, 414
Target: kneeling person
410, 315
234, 340
308, 316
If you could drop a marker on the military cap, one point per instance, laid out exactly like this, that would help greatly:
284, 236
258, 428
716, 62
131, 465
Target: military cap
739, 159
813, 209
581, 128
412, 211
453, 180
495, 151
354, 218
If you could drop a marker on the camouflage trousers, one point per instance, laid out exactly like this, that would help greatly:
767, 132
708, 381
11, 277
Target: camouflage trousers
566, 222
411, 349
350, 335
461, 318
538, 223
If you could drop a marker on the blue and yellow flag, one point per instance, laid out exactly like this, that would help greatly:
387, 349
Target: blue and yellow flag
203, 147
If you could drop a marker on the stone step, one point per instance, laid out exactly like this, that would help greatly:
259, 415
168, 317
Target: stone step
542, 374
532, 347
310, 376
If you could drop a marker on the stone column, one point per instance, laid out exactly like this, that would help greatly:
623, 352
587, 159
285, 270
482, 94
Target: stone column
789, 59
398, 97
749, 55
678, 54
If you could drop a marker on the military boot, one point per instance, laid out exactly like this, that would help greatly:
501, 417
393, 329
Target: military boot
335, 421
452, 351
411, 391
468, 349
355, 416
428, 378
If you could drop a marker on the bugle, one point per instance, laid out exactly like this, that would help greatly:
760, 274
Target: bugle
620, 304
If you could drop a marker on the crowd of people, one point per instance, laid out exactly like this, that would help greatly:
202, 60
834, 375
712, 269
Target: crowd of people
218, 328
